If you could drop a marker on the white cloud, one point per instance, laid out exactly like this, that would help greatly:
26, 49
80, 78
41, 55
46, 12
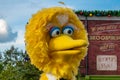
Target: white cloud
6, 34
19, 43
20, 39
3, 27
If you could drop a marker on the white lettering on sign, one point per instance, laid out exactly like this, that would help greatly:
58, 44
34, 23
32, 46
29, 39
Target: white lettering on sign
106, 62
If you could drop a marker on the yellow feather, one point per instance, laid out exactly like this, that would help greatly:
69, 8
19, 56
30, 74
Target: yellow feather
37, 39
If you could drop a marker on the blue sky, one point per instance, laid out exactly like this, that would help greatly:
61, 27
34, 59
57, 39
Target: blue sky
14, 15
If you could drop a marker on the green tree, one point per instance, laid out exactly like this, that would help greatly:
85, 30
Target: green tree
15, 65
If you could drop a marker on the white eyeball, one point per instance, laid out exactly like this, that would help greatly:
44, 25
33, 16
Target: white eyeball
54, 32
68, 30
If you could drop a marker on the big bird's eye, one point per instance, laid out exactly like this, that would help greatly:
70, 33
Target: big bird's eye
54, 32
68, 30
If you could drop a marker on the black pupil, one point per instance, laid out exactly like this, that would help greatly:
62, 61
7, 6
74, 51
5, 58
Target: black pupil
69, 31
57, 32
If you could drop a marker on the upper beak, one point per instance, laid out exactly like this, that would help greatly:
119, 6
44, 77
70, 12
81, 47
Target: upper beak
64, 42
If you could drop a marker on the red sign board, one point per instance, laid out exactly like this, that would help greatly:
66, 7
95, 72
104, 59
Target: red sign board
104, 38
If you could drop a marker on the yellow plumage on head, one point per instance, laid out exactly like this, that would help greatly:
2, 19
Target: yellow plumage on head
56, 42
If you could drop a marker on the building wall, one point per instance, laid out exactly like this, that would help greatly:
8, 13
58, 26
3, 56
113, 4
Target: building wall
104, 50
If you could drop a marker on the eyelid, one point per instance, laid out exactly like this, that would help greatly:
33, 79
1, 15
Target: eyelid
53, 28
49, 26
73, 26
66, 27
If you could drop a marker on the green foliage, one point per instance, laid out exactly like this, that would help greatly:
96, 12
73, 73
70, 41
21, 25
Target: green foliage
98, 13
15, 65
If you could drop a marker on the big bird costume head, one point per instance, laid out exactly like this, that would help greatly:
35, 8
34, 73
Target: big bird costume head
56, 42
